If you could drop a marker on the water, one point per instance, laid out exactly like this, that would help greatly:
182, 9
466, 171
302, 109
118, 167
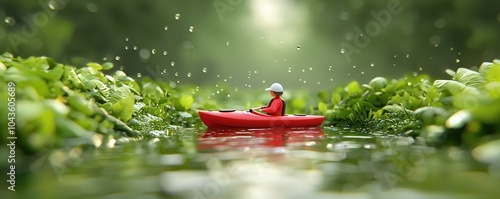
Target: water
253, 163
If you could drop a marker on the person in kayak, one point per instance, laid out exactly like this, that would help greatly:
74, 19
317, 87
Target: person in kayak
276, 106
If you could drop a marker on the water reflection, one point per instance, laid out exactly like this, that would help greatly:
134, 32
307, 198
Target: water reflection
259, 163
246, 139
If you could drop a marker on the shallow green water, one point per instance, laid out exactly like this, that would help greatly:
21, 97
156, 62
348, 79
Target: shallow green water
284, 163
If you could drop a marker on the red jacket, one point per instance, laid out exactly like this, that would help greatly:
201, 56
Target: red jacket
276, 107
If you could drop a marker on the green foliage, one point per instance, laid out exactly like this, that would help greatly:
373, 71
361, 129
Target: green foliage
461, 111
56, 102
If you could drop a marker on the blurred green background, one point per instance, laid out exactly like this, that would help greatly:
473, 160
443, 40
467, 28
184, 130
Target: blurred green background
250, 44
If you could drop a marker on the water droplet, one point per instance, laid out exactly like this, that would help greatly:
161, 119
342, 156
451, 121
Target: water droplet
230, 77
189, 74
177, 16
227, 43
263, 81
420, 68
319, 82
225, 80
284, 59
218, 76
204, 69
331, 79
303, 70
191, 28
135, 47
395, 55
457, 61
144, 53
310, 68
52, 5
236, 89
218, 92
217, 85
228, 95
353, 66
165, 52
163, 71
298, 47
104, 58
330, 67
166, 27
305, 81
117, 58
451, 48
172, 63
415, 74
407, 55
362, 72
342, 51
126, 39
10, 21
372, 64
255, 72
126, 47
139, 75
153, 51
177, 74
261, 37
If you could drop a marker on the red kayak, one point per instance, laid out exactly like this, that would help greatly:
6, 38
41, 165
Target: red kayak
245, 119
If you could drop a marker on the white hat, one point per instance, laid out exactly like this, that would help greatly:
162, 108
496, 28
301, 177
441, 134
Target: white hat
276, 87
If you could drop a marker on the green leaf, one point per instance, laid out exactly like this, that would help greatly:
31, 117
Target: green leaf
78, 102
95, 65
378, 83
322, 107
2, 67
186, 101
353, 88
124, 108
469, 77
450, 86
107, 66
56, 72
